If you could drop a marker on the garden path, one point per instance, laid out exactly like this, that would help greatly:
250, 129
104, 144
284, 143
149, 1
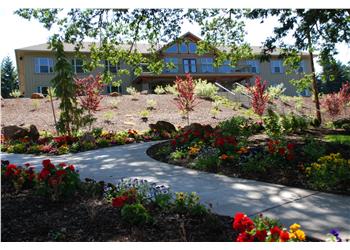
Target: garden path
317, 212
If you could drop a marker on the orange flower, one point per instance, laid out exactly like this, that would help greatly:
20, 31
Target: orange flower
223, 157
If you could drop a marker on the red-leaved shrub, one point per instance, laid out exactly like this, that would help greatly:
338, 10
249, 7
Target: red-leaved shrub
260, 97
186, 99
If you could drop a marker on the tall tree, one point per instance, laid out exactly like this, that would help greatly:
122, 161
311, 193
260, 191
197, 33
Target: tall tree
9, 80
333, 76
313, 30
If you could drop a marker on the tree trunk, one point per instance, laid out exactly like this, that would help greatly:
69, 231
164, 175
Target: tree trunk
53, 110
314, 82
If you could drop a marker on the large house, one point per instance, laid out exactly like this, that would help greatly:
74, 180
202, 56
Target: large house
35, 67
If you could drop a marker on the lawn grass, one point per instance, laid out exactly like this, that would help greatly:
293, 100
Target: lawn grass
341, 139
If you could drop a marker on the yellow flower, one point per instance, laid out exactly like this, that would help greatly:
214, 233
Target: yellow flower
193, 150
242, 150
292, 236
294, 227
300, 235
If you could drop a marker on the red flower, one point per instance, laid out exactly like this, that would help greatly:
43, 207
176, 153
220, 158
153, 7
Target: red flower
53, 181
261, 235
282, 151
60, 173
71, 167
62, 164
242, 223
196, 133
284, 236
290, 146
245, 237
220, 141
43, 174
173, 143
46, 163
275, 231
290, 157
10, 169
27, 164
119, 201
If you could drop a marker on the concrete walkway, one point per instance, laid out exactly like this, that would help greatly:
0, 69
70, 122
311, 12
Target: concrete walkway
316, 212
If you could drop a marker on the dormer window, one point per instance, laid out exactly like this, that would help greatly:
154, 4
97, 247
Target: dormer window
183, 47
172, 49
192, 47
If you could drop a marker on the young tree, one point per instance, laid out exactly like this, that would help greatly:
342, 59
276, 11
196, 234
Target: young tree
259, 95
186, 99
71, 115
332, 77
89, 92
312, 29
9, 80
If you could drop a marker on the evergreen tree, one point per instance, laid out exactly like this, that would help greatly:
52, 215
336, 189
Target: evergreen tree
9, 80
333, 76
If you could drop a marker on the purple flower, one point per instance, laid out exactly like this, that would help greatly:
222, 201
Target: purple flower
336, 233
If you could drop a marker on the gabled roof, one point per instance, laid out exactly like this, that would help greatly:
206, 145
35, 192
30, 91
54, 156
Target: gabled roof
143, 48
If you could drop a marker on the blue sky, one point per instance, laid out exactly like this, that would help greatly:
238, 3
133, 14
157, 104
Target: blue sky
20, 33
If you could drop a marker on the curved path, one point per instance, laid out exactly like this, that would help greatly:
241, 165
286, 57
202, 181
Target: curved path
316, 212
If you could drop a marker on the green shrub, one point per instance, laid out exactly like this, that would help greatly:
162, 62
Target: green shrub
236, 126
189, 203
340, 139
208, 163
276, 91
159, 90
151, 104
171, 89
205, 90
15, 93
330, 172
64, 149
272, 124
313, 149
75, 147
178, 154
135, 214
34, 149
96, 132
102, 142
19, 148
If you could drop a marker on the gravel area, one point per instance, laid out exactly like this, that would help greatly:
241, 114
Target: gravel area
121, 113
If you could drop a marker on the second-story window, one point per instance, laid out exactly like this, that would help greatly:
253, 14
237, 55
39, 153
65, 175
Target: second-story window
171, 60
207, 65
190, 65
183, 47
301, 68
77, 66
172, 49
276, 66
43, 65
110, 68
192, 47
254, 66
225, 67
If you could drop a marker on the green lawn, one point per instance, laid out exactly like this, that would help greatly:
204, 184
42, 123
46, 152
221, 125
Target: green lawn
342, 139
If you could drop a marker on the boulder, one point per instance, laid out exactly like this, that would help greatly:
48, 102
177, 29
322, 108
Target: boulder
87, 137
114, 94
14, 132
343, 123
144, 92
162, 126
197, 126
37, 96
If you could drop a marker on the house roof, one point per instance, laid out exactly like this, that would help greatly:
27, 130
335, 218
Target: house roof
143, 48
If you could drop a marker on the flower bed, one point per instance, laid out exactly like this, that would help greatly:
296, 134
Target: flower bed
299, 163
58, 145
130, 210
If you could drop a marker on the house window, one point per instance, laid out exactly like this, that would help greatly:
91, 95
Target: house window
111, 88
174, 61
172, 49
43, 65
77, 66
254, 66
192, 47
190, 65
207, 65
276, 66
43, 90
110, 68
183, 48
301, 68
225, 68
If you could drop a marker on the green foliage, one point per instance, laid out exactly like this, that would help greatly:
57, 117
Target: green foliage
19, 148
207, 162
15, 93
151, 104
108, 115
135, 214
9, 78
189, 203
236, 126
341, 139
272, 124
330, 172
275, 92
131, 91
64, 149
259, 162
178, 154
159, 90
205, 90
102, 142
96, 132
35, 104
144, 113
171, 89
313, 149
332, 77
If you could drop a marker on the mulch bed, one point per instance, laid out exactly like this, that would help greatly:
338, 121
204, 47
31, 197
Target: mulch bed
28, 217
288, 175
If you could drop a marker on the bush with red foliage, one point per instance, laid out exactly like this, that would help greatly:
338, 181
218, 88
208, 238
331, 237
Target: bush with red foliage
333, 104
344, 94
260, 97
186, 99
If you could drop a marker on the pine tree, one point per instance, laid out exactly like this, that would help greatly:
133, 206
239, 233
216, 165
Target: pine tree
9, 80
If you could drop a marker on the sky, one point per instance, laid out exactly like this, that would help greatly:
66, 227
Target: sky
22, 33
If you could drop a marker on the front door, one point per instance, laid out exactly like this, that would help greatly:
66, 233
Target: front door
190, 65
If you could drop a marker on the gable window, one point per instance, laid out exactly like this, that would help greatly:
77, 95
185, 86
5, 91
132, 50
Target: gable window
207, 65
190, 65
172, 49
43, 90
77, 66
192, 47
276, 66
110, 68
183, 48
172, 60
43, 65
225, 67
254, 66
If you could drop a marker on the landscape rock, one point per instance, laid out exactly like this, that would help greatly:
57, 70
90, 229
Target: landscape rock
114, 94
87, 137
144, 92
162, 126
343, 123
37, 96
198, 126
14, 132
